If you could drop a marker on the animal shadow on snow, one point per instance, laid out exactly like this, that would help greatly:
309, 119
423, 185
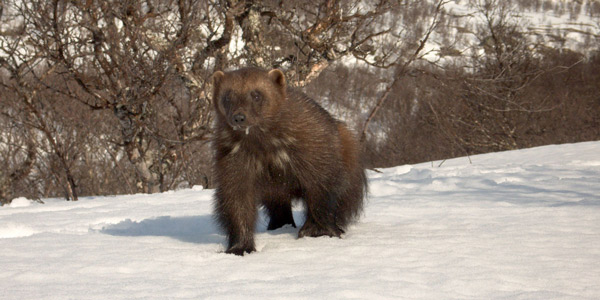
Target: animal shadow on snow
191, 229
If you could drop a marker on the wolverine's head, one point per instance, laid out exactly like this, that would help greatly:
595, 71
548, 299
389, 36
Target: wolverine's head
248, 96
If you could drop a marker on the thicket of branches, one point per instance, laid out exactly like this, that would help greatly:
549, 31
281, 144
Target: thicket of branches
111, 97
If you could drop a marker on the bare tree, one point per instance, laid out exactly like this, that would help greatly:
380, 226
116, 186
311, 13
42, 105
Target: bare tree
17, 158
25, 104
128, 58
402, 61
507, 65
308, 37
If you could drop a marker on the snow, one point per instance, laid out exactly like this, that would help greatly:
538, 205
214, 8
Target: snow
559, 25
512, 225
20, 202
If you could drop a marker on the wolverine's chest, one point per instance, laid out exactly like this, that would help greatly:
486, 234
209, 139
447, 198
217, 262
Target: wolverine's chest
275, 162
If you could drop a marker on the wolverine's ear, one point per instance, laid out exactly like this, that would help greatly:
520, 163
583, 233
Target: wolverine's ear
277, 77
218, 78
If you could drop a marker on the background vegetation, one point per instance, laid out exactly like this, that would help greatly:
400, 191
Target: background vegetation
112, 97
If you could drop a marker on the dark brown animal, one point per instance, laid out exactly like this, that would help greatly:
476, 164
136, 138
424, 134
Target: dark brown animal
274, 145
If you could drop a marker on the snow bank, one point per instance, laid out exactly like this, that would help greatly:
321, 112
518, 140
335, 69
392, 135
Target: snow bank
20, 202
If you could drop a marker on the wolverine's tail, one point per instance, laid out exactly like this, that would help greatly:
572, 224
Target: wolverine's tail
355, 186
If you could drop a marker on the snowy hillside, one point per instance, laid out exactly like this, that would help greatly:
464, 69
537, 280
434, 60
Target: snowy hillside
514, 225
555, 23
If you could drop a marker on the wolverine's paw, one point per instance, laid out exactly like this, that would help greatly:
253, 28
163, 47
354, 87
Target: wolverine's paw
240, 250
313, 230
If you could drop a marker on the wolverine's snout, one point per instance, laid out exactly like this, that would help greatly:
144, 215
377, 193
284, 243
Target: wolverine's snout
239, 119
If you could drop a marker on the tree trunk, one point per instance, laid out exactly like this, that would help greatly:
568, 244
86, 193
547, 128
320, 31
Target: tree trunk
150, 180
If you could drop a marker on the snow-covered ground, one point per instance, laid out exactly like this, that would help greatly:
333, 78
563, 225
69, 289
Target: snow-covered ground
513, 225
556, 23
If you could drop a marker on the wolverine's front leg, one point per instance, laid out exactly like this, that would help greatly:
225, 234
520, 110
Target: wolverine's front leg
236, 213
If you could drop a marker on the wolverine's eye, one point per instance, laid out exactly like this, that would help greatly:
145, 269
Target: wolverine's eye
256, 96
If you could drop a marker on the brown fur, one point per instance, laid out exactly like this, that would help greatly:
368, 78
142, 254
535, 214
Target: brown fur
273, 145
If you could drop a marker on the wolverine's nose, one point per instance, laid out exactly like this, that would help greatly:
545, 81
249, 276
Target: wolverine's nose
239, 119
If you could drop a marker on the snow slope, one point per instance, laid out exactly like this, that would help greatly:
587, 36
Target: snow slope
558, 24
513, 225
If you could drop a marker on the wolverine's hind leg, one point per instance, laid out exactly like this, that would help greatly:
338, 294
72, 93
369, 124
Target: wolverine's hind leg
279, 209
321, 216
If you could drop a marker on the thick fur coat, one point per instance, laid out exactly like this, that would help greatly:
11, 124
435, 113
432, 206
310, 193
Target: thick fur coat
274, 145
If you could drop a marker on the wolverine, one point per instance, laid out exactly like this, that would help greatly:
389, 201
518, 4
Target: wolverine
274, 145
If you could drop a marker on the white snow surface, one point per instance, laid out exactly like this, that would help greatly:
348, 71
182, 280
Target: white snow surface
512, 225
